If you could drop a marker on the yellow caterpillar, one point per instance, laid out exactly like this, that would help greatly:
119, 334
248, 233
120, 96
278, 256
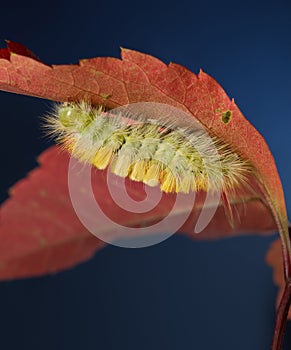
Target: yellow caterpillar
150, 150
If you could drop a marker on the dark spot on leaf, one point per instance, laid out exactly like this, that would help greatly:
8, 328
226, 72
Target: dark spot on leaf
226, 116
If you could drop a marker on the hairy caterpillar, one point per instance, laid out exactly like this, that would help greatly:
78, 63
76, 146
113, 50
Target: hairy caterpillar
149, 147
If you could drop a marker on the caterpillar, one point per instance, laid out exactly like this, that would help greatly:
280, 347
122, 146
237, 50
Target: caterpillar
168, 151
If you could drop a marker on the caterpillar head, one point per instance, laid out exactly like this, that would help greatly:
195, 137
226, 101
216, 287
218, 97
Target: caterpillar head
75, 119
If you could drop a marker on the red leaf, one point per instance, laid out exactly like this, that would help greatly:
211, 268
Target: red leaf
40, 232
139, 77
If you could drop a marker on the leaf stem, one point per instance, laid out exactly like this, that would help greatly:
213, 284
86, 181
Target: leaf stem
281, 317
285, 234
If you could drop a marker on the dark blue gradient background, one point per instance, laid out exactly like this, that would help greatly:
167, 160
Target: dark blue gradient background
179, 294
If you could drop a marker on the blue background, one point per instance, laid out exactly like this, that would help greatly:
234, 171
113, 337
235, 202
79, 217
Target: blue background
179, 294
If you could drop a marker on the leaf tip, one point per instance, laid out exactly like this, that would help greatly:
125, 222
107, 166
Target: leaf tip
123, 49
201, 73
